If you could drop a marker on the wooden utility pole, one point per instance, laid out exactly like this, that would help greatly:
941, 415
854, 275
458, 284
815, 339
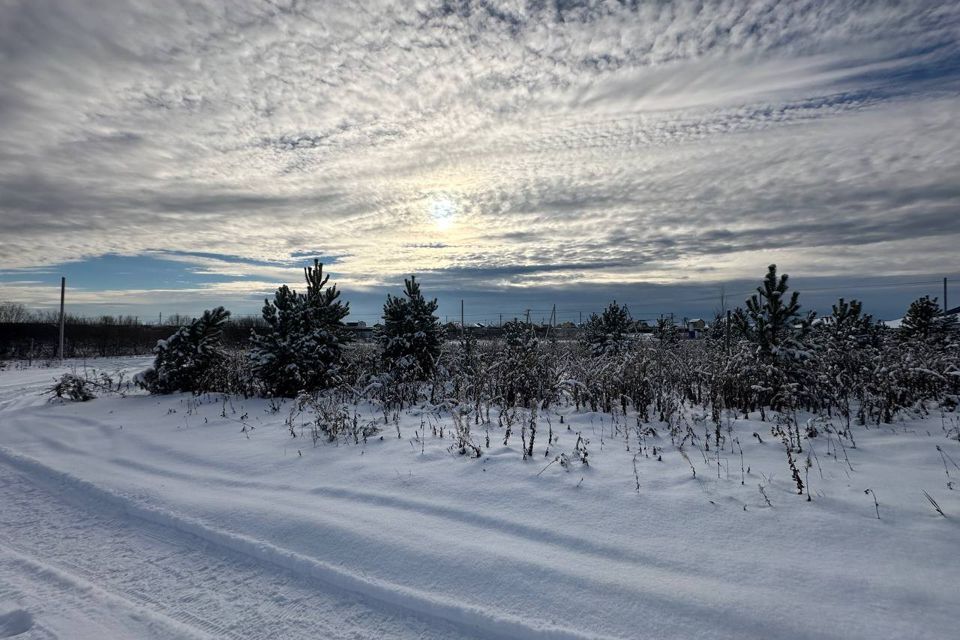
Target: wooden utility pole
63, 291
946, 307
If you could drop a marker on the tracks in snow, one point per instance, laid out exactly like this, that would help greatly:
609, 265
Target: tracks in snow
226, 584
150, 580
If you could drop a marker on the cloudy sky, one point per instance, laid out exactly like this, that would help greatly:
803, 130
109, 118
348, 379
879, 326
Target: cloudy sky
169, 156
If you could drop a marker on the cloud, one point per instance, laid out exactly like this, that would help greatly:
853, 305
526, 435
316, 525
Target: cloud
622, 142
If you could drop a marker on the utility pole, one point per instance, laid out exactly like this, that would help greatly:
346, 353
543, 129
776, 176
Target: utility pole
463, 326
63, 292
946, 307
500, 324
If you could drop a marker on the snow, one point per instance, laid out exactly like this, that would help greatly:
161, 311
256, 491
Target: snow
157, 517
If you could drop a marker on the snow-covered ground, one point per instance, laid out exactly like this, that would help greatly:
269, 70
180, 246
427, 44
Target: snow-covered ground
159, 517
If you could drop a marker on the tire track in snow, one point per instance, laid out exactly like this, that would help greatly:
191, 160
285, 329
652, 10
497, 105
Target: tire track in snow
484, 524
188, 586
430, 606
68, 589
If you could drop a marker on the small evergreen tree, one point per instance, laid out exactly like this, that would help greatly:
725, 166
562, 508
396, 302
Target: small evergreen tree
608, 332
300, 349
770, 318
926, 322
411, 334
772, 324
847, 319
189, 359
717, 330
842, 351
666, 330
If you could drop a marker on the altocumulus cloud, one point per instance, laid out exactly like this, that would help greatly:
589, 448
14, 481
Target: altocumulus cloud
626, 143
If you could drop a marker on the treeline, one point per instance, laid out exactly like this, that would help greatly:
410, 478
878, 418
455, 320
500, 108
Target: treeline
35, 335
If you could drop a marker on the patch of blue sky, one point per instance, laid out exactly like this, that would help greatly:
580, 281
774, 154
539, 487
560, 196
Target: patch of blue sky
118, 272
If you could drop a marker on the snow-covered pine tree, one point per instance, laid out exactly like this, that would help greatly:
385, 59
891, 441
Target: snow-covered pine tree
770, 318
774, 324
843, 350
847, 319
188, 360
717, 330
609, 331
411, 334
666, 330
926, 322
300, 350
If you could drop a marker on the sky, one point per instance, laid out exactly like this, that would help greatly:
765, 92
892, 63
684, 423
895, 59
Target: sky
171, 156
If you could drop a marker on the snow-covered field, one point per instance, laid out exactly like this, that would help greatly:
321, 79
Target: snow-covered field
181, 516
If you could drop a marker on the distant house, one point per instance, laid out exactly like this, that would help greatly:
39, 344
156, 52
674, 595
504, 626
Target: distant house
360, 330
695, 327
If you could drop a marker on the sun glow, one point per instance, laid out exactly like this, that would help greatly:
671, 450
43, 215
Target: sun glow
442, 212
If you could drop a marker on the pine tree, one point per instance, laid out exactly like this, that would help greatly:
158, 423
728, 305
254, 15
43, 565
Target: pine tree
773, 326
666, 330
843, 347
608, 332
717, 330
188, 360
411, 334
300, 350
925, 322
847, 318
770, 318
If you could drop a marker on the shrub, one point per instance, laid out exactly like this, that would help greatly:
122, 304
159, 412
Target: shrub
72, 387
